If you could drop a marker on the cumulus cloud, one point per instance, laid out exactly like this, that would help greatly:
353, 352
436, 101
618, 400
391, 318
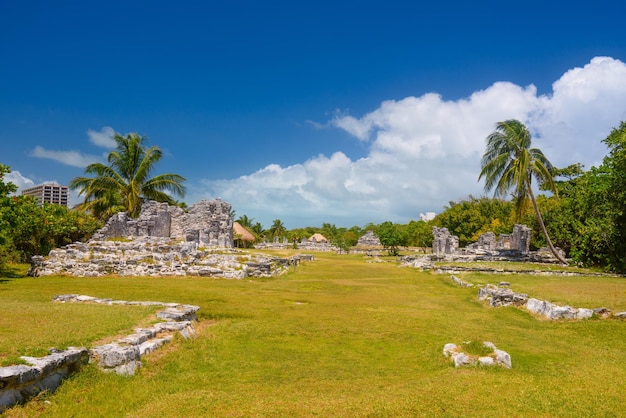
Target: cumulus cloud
104, 138
425, 151
71, 158
74, 158
19, 180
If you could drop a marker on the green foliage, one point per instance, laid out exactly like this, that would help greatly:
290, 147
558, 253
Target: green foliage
125, 182
391, 237
588, 220
27, 229
418, 233
277, 229
476, 348
615, 165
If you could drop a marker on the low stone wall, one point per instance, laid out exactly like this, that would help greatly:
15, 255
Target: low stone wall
503, 296
155, 256
21, 382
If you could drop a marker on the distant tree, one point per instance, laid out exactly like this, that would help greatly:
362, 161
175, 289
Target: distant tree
390, 237
258, 230
125, 182
419, 233
509, 163
277, 229
6, 188
244, 221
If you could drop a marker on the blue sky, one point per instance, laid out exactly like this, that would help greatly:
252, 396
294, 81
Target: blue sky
308, 112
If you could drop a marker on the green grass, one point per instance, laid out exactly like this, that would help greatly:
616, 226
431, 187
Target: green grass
335, 337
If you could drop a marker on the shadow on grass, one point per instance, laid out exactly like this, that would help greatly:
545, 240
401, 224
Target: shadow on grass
12, 271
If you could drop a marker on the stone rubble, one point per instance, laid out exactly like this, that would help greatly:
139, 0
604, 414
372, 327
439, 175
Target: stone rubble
459, 358
157, 256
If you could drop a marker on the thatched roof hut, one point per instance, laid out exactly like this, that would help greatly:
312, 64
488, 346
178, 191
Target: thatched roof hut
241, 234
318, 238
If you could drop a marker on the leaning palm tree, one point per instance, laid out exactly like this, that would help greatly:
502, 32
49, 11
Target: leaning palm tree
509, 163
125, 182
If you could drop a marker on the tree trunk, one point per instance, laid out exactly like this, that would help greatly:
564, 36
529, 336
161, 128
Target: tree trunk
543, 227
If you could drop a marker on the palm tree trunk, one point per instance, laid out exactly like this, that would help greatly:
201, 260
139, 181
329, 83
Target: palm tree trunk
543, 227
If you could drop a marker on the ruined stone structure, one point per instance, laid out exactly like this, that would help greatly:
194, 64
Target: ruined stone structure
518, 240
369, 240
444, 242
208, 223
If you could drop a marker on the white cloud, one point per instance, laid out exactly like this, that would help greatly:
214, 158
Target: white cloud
19, 180
104, 138
71, 158
425, 151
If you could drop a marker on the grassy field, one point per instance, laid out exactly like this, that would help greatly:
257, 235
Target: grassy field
338, 336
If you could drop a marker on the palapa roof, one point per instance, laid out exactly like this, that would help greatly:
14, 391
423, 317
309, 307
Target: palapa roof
318, 238
242, 233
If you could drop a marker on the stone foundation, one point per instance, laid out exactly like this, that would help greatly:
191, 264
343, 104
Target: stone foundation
154, 256
21, 382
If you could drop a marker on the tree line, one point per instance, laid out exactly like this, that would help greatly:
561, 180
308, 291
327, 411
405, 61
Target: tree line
584, 212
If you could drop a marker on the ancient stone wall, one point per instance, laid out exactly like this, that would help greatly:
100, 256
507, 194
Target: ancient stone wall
518, 240
444, 242
208, 223
153, 256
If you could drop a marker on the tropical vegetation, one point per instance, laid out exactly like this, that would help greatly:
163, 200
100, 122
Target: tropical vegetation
27, 229
510, 163
125, 182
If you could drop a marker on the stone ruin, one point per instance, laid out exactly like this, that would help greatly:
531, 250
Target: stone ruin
369, 240
444, 243
519, 240
208, 223
164, 241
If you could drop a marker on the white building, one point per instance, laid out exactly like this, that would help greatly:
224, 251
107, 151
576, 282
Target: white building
50, 193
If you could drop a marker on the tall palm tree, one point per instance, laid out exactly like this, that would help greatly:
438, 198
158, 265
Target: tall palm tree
125, 182
509, 163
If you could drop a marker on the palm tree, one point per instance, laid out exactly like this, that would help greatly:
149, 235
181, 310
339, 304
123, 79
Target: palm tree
277, 228
245, 221
510, 163
125, 182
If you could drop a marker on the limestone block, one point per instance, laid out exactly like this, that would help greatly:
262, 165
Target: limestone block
584, 313
486, 361
112, 355
503, 358
450, 349
461, 359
